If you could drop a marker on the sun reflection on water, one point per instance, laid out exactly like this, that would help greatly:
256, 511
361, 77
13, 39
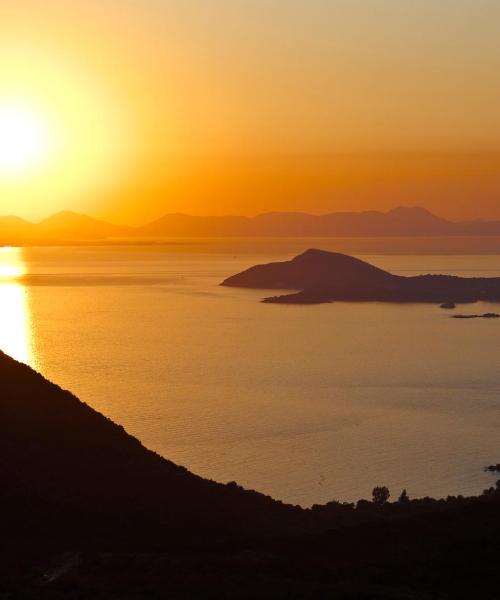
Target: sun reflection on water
15, 317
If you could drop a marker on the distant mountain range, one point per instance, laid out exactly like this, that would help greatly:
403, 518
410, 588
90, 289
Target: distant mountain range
70, 227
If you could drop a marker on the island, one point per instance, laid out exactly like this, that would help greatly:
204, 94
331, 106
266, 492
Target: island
483, 316
321, 276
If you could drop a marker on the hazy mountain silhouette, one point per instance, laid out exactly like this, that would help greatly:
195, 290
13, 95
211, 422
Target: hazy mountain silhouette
194, 226
14, 229
323, 276
68, 226
399, 221
87, 512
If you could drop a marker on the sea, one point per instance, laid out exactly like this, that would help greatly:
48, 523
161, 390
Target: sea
307, 404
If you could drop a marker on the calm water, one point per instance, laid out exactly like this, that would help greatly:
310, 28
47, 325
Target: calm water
304, 403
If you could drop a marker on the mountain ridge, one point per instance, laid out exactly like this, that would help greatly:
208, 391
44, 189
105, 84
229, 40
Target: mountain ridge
401, 221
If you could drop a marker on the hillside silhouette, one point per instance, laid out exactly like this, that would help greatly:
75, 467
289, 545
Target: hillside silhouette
323, 276
74, 473
71, 227
87, 512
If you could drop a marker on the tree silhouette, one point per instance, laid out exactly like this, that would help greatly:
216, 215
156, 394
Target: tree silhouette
380, 495
404, 496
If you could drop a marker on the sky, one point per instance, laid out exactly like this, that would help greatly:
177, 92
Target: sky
129, 109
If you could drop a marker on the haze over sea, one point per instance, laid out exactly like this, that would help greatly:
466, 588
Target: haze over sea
305, 403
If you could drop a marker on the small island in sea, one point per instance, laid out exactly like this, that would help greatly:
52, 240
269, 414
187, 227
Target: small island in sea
483, 316
320, 276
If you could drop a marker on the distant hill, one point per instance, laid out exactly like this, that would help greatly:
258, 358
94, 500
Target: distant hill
322, 276
15, 231
179, 225
70, 227
311, 268
401, 221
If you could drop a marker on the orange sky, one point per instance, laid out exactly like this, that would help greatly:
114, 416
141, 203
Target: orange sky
243, 106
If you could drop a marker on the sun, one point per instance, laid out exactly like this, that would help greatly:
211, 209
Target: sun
24, 139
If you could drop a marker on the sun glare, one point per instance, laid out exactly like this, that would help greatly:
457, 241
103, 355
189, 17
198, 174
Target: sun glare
15, 321
24, 139
64, 136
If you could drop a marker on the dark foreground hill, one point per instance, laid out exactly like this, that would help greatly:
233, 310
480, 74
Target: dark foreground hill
87, 512
74, 474
323, 276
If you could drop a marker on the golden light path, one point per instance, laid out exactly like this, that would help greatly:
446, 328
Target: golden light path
15, 317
